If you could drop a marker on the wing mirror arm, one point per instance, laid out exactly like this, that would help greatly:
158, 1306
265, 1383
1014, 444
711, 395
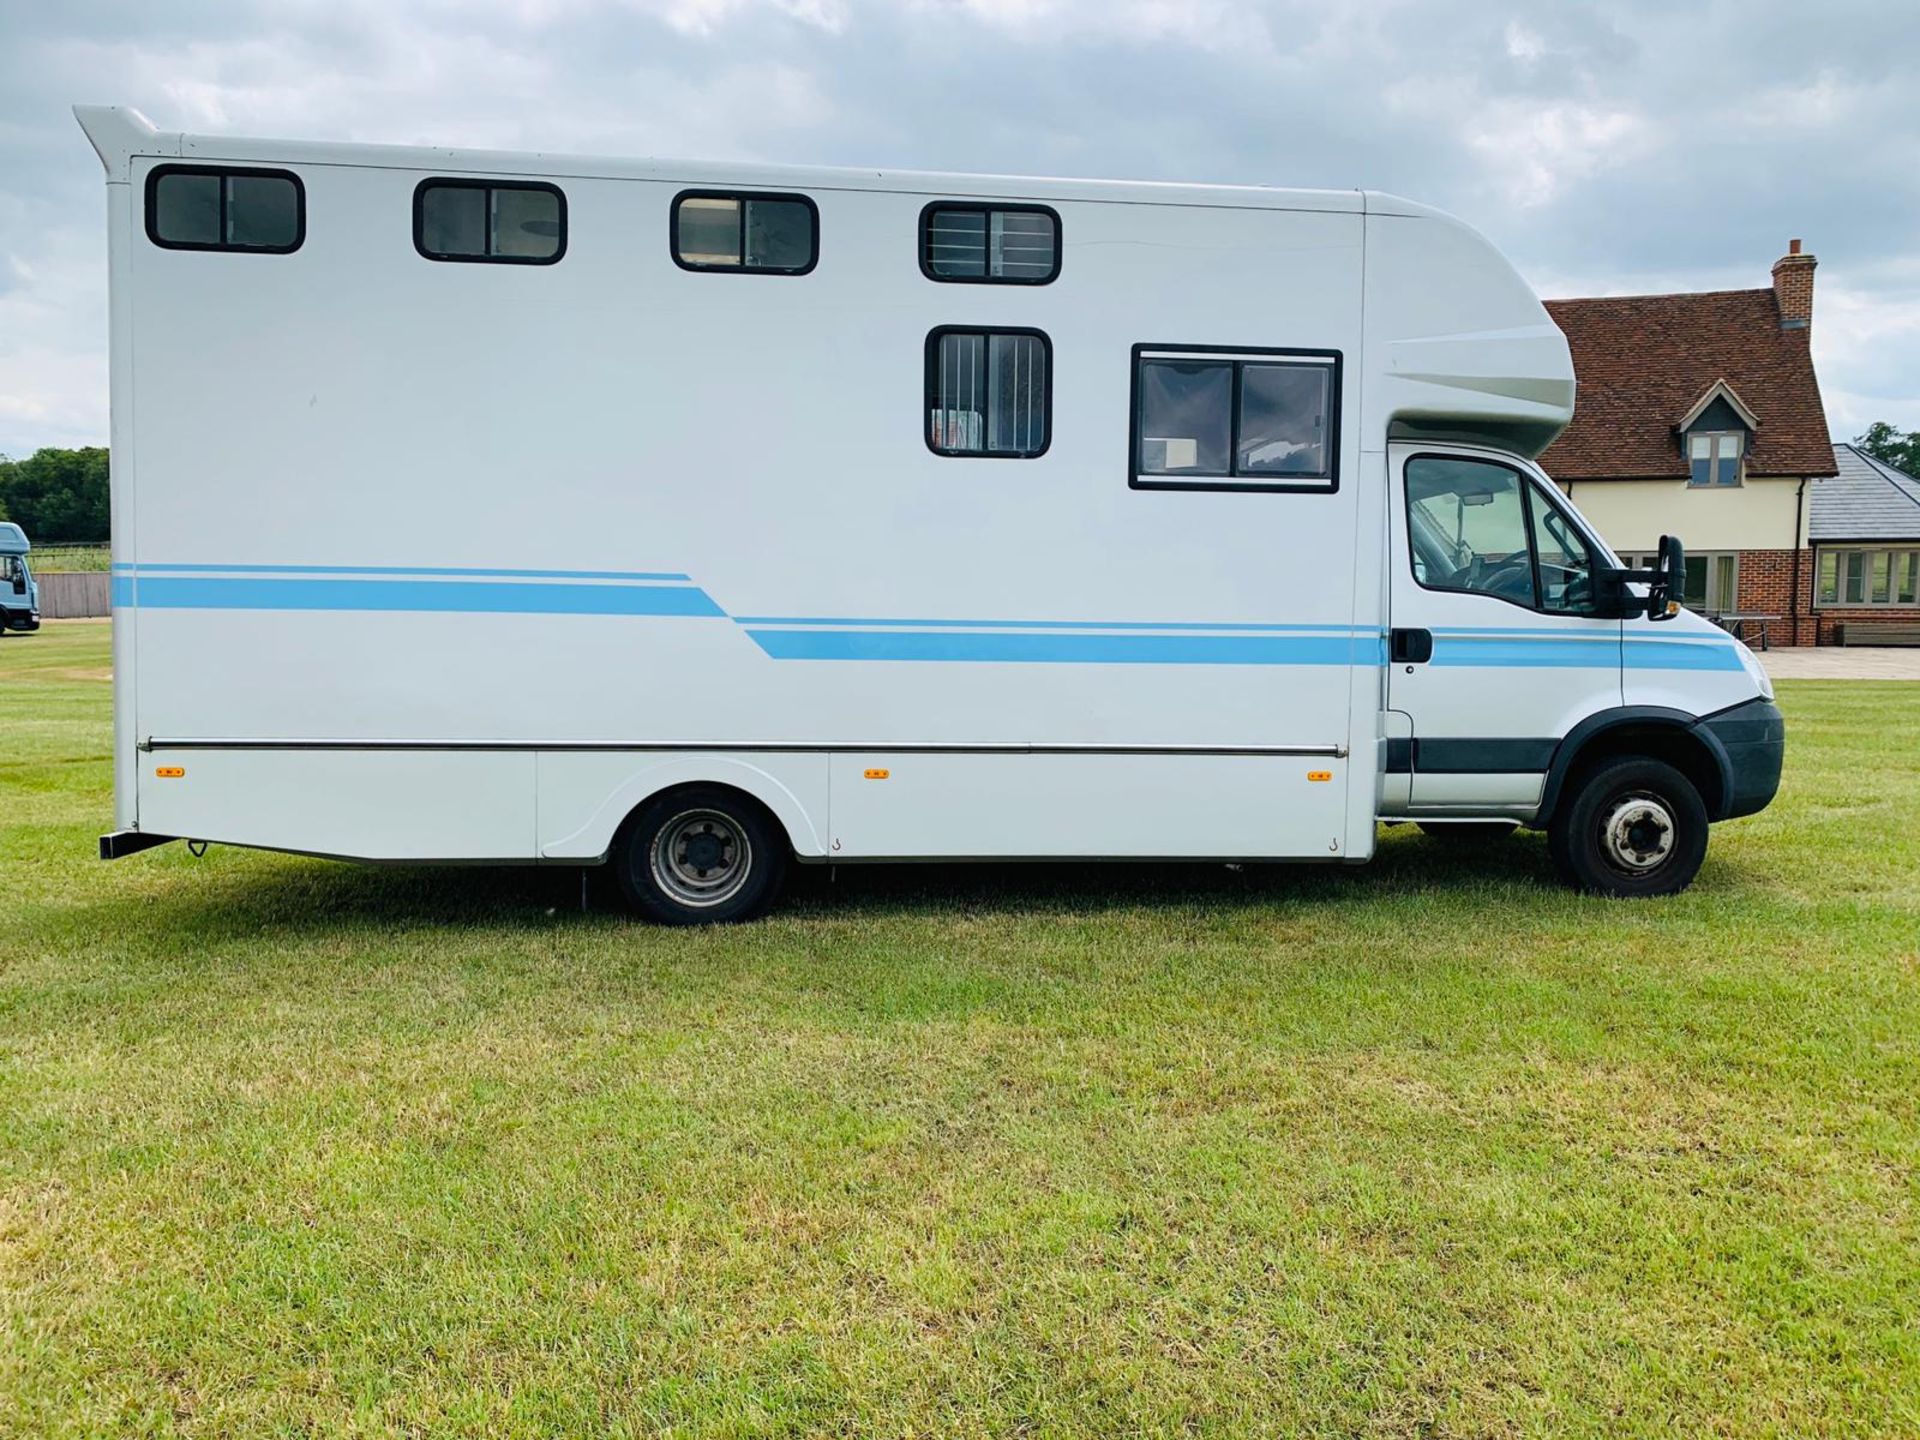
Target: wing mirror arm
1666, 583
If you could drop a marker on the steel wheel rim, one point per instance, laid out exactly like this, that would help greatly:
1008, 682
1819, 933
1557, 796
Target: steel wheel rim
1638, 833
701, 858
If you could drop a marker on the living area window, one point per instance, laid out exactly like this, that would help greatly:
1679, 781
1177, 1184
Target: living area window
1714, 457
1235, 419
1850, 575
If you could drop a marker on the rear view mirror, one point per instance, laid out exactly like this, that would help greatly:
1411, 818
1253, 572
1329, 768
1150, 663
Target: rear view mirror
1666, 583
1670, 583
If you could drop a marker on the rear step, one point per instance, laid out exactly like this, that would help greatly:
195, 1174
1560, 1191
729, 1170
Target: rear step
130, 842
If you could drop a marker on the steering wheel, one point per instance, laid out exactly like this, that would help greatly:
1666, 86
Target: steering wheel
1511, 579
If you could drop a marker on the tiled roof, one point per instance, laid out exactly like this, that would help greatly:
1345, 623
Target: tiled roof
1867, 500
1641, 361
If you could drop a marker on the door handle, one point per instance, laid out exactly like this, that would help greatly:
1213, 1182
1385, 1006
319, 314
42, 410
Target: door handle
1410, 647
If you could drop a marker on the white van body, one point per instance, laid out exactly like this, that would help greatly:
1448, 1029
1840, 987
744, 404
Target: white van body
419, 561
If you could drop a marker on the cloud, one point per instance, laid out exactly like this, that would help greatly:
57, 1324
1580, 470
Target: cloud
1609, 145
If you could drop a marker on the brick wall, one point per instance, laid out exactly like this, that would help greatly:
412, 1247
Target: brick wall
1879, 614
1766, 586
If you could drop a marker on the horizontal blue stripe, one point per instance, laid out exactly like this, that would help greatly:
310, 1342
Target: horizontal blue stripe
447, 596
398, 570
1223, 626
1078, 649
1544, 652
1543, 631
1669, 655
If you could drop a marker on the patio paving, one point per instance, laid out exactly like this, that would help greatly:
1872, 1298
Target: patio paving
1835, 662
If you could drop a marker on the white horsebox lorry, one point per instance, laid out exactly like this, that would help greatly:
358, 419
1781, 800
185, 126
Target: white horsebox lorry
488, 507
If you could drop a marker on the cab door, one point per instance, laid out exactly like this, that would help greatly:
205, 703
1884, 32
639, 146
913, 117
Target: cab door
1495, 651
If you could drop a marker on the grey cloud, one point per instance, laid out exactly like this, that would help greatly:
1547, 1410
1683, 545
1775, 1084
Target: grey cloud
1607, 146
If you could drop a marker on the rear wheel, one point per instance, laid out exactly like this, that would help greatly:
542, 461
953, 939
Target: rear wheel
1634, 827
703, 855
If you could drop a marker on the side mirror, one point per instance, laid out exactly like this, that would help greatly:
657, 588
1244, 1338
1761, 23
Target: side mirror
1670, 580
1666, 582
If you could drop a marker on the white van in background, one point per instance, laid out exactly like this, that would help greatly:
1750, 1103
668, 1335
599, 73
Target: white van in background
695, 518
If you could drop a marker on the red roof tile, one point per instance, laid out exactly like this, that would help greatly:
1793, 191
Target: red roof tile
1640, 361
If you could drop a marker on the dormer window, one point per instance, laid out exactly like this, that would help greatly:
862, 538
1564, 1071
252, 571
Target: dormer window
1713, 437
1714, 457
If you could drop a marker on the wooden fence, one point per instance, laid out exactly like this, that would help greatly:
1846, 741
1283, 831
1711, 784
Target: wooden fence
74, 595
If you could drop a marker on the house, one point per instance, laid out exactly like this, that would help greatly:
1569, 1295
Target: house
1865, 533
1700, 416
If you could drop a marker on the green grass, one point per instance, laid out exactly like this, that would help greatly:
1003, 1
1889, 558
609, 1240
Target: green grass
1429, 1147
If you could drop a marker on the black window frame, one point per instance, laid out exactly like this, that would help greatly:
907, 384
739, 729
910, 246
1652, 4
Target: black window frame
930, 390
988, 208
1596, 553
1237, 356
742, 196
470, 182
223, 173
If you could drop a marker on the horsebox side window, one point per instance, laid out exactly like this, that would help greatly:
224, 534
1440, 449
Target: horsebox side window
216, 207
745, 233
989, 244
490, 222
989, 392
1235, 419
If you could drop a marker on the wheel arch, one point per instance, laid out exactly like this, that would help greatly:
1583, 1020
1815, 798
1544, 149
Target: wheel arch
1655, 731
592, 841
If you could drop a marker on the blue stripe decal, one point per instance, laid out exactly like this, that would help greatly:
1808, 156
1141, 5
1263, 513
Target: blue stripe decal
1679, 655
1224, 627
121, 568
1541, 652
1078, 649
448, 596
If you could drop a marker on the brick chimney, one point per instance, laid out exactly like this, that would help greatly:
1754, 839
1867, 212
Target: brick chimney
1793, 288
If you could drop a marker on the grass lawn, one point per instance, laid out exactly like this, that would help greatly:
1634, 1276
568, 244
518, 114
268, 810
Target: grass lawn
1430, 1147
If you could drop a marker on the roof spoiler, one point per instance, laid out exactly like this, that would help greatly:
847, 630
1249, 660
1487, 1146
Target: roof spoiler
118, 133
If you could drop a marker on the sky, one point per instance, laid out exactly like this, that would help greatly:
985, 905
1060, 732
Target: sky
1607, 146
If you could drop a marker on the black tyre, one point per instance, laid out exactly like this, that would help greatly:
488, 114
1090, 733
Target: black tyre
1475, 832
703, 855
1631, 828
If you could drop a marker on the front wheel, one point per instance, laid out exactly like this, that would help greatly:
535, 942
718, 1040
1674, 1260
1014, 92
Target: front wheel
1632, 828
703, 855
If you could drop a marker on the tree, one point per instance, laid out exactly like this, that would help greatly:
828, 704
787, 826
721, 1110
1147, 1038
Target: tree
57, 495
1888, 445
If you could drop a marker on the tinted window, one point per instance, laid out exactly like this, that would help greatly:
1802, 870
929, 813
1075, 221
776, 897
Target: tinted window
1233, 420
186, 209
498, 222
988, 244
1186, 417
765, 234
988, 392
1283, 420
198, 207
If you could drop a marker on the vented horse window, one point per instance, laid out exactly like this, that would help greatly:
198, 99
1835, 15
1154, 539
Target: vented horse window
1235, 419
993, 245
989, 393
497, 222
206, 207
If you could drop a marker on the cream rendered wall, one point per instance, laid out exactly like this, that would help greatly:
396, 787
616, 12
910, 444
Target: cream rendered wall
1634, 514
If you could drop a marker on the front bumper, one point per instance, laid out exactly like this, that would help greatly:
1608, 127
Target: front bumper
1753, 738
